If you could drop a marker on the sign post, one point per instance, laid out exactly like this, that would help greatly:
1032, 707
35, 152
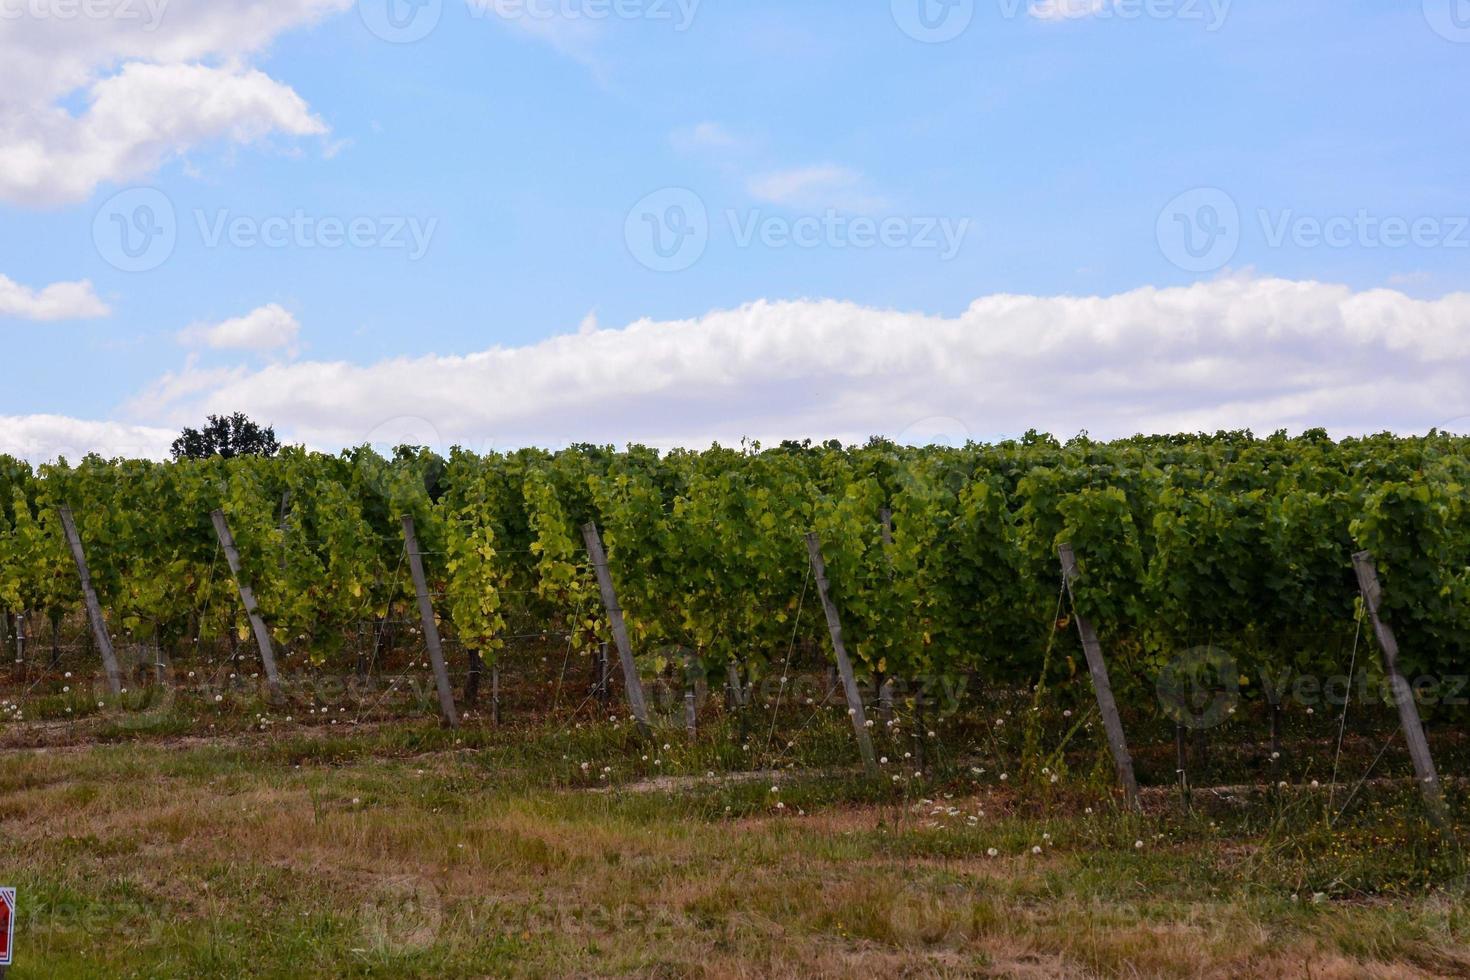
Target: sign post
7, 928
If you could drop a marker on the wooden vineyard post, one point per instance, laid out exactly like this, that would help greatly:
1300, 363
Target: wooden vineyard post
94, 608
20, 643
472, 679
839, 649
691, 696
247, 599
732, 679
495, 691
1101, 685
1403, 695
431, 628
602, 684
614, 611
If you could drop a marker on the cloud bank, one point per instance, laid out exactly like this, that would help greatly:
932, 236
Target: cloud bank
1237, 352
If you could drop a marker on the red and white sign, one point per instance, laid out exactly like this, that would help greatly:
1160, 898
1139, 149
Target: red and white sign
7, 924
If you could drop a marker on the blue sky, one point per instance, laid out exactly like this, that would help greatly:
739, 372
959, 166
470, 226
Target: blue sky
517, 144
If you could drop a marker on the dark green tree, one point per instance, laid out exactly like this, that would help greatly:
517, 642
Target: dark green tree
226, 436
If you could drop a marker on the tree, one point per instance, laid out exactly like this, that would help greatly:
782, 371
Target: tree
226, 436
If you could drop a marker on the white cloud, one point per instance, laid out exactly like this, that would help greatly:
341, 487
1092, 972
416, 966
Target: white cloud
270, 327
825, 186
58, 301
1262, 353
1068, 9
188, 57
44, 438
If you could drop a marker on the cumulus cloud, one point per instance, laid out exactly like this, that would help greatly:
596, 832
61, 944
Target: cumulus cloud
121, 61
1262, 353
45, 438
825, 186
1068, 9
268, 328
58, 301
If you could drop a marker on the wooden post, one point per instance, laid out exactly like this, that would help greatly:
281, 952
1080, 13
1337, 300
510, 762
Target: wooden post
732, 677
602, 683
247, 599
472, 679
1403, 695
495, 692
844, 665
619, 629
1101, 686
94, 608
431, 628
1181, 768
20, 645
691, 711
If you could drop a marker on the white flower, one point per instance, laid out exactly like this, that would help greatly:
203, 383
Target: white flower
1138, 845
1004, 776
992, 852
775, 789
883, 761
1036, 850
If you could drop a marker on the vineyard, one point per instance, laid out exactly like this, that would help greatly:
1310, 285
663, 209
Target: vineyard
340, 697
941, 563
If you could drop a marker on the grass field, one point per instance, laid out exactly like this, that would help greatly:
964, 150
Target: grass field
405, 850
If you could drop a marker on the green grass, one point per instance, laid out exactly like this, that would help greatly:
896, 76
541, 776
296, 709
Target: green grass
145, 843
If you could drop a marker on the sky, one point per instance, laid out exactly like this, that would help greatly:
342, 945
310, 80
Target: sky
498, 223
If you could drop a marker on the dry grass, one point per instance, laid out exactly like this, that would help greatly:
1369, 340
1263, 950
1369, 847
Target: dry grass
191, 858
